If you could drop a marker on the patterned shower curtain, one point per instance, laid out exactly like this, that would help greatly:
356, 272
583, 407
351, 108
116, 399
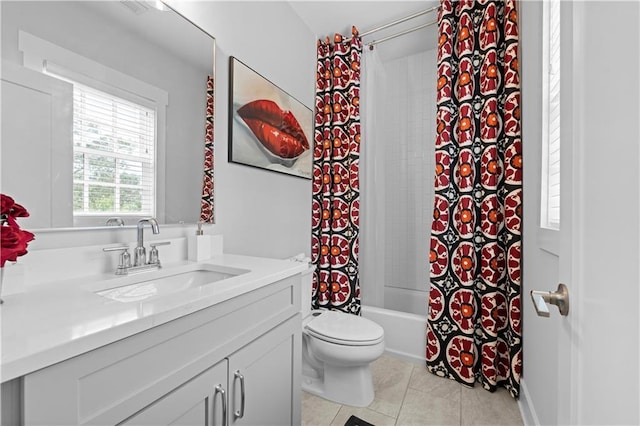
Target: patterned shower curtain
473, 327
336, 200
206, 203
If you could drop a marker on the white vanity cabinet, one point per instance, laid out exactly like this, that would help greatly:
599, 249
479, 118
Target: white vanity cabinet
184, 371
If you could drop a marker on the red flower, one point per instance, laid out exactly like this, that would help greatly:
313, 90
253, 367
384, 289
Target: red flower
14, 240
14, 243
11, 208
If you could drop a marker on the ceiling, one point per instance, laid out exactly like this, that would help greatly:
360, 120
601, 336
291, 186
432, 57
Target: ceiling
325, 18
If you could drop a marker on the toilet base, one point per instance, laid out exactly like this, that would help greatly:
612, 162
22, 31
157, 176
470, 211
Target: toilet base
339, 383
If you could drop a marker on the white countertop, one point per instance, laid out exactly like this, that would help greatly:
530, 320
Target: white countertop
54, 322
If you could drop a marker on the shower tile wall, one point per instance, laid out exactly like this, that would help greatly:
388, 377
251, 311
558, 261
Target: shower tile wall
409, 159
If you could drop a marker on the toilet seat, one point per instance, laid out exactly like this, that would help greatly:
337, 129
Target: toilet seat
344, 329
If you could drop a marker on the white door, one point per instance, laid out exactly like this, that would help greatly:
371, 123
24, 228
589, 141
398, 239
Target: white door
584, 368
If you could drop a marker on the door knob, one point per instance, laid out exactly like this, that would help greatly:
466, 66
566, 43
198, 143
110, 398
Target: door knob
560, 298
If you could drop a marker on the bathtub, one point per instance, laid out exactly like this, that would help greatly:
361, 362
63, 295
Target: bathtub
404, 334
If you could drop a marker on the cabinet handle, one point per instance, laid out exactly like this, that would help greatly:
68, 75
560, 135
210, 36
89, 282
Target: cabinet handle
238, 414
220, 390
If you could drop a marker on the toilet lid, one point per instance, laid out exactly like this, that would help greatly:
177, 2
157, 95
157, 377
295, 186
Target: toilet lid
339, 327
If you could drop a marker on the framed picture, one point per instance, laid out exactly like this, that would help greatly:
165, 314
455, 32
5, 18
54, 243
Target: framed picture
268, 128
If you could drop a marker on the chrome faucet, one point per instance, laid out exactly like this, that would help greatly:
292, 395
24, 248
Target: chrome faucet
140, 254
115, 221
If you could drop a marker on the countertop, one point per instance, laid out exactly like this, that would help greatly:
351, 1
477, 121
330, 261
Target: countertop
56, 321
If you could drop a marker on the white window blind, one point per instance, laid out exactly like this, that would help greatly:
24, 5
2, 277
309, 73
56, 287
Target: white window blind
550, 203
113, 155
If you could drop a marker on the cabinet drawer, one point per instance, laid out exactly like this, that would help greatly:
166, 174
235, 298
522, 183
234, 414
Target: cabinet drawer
109, 384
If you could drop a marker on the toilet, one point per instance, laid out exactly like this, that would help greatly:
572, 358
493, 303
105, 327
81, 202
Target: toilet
337, 350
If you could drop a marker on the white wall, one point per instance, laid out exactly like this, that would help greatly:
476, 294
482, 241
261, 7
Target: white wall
259, 212
397, 164
409, 155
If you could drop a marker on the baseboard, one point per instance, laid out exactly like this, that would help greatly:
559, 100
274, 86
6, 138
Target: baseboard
527, 410
406, 356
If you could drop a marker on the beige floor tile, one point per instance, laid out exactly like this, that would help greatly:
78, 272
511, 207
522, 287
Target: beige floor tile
318, 411
423, 409
414, 396
390, 379
481, 407
437, 387
365, 414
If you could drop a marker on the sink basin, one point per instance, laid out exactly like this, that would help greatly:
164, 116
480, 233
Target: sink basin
153, 287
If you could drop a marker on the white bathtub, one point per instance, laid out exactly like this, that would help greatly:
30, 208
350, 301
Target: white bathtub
405, 334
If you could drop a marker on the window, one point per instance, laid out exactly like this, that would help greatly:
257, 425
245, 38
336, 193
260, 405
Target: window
550, 202
113, 155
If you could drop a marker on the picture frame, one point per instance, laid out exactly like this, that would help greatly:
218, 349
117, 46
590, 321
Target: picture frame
268, 128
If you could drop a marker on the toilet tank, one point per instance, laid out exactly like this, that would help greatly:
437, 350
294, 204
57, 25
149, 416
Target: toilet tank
306, 278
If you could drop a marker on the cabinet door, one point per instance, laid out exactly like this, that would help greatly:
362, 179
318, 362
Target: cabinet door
194, 403
269, 368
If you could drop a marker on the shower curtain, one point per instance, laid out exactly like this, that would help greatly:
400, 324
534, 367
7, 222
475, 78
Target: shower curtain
473, 327
336, 200
206, 203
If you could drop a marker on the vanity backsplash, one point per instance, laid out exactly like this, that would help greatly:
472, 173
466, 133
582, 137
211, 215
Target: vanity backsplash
79, 256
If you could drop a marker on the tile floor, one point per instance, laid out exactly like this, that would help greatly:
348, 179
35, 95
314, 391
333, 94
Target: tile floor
406, 394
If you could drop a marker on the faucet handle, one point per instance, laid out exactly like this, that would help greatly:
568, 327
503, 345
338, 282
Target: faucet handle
154, 258
115, 248
162, 243
125, 259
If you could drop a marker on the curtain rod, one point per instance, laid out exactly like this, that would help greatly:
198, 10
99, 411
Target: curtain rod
410, 30
398, 21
